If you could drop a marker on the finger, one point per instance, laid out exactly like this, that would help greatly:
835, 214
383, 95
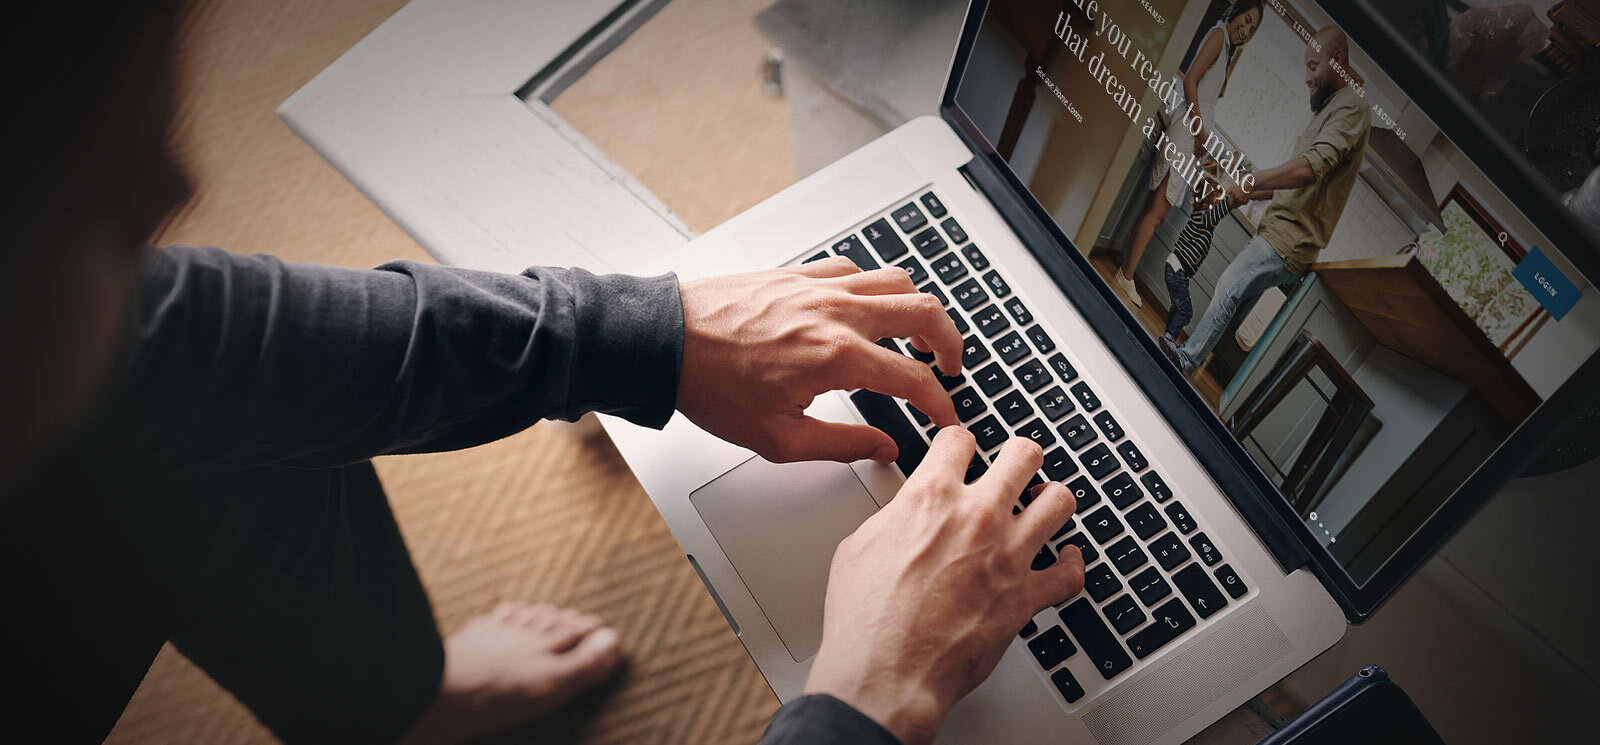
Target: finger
947, 457
1061, 580
917, 315
1052, 506
877, 369
806, 438
1018, 461
837, 266
890, 280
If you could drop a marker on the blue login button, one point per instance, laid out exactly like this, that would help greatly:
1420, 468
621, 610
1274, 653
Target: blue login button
1549, 286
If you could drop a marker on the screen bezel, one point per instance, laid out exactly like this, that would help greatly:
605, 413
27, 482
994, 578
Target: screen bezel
1241, 479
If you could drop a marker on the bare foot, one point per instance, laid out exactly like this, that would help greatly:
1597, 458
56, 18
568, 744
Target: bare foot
513, 664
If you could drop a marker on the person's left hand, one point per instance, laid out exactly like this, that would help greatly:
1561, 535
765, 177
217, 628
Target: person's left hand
759, 347
1237, 196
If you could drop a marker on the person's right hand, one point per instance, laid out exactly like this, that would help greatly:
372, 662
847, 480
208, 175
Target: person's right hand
924, 597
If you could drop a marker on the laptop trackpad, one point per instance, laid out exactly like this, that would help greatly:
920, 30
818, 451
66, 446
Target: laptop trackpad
779, 525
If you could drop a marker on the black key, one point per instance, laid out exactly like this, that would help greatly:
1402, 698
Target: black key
948, 268
953, 229
1076, 432
1029, 630
925, 358
1011, 348
1044, 559
1041, 340
1052, 647
988, 432
933, 289
1064, 369
908, 217
1013, 407
853, 249
1083, 493
1085, 547
1231, 582
1032, 375
1150, 586
968, 404
1055, 404
1100, 582
1157, 488
1109, 426
883, 238
950, 382
890, 345
1204, 549
1097, 642
1167, 623
1124, 614
1202, 593
990, 321
929, 243
1039, 432
882, 412
1132, 456
914, 269
961, 323
997, 284
1126, 555
1122, 492
975, 257
1018, 311
1145, 521
1180, 517
1058, 465
920, 418
973, 353
1169, 551
975, 469
818, 256
1067, 685
970, 294
992, 379
1098, 461
935, 207
1086, 397
1103, 525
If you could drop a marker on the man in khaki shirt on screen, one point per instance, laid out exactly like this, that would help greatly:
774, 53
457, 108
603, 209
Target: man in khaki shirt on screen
1308, 194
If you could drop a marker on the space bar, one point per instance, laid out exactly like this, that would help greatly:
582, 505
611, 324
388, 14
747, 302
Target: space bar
882, 412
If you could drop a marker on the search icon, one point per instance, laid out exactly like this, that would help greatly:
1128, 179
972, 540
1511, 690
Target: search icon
1502, 239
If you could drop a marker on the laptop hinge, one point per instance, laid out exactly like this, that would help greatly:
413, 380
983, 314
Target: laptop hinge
1239, 478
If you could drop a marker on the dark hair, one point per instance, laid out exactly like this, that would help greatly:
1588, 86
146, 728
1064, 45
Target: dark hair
1239, 8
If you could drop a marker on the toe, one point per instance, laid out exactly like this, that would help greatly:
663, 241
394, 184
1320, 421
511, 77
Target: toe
594, 658
572, 628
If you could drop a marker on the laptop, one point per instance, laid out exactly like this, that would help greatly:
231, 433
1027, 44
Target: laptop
1236, 519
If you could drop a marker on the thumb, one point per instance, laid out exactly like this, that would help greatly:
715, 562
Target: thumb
806, 438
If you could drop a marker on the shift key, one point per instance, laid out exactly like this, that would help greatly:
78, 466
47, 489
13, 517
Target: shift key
1096, 638
1166, 623
882, 412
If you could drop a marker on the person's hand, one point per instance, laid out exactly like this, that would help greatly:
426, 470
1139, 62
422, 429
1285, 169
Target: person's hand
924, 597
759, 347
1236, 196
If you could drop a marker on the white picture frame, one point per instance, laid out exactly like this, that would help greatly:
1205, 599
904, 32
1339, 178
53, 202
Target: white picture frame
440, 117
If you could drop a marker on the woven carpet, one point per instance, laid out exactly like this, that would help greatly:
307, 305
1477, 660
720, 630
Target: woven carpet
551, 514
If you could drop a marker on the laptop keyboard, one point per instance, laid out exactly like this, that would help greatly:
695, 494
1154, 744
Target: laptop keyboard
1152, 574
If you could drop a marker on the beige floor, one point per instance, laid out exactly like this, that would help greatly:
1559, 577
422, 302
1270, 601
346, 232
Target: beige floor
551, 514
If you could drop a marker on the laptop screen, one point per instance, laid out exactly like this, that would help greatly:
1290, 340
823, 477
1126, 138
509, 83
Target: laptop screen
1358, 302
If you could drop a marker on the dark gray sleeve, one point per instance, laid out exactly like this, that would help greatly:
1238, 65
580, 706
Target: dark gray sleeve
819, 719
239, 361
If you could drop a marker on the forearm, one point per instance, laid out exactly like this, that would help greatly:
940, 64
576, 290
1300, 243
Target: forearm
246, 360
1291, 174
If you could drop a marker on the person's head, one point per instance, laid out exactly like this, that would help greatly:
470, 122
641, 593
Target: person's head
89, 180
1324, 58
1241, 20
